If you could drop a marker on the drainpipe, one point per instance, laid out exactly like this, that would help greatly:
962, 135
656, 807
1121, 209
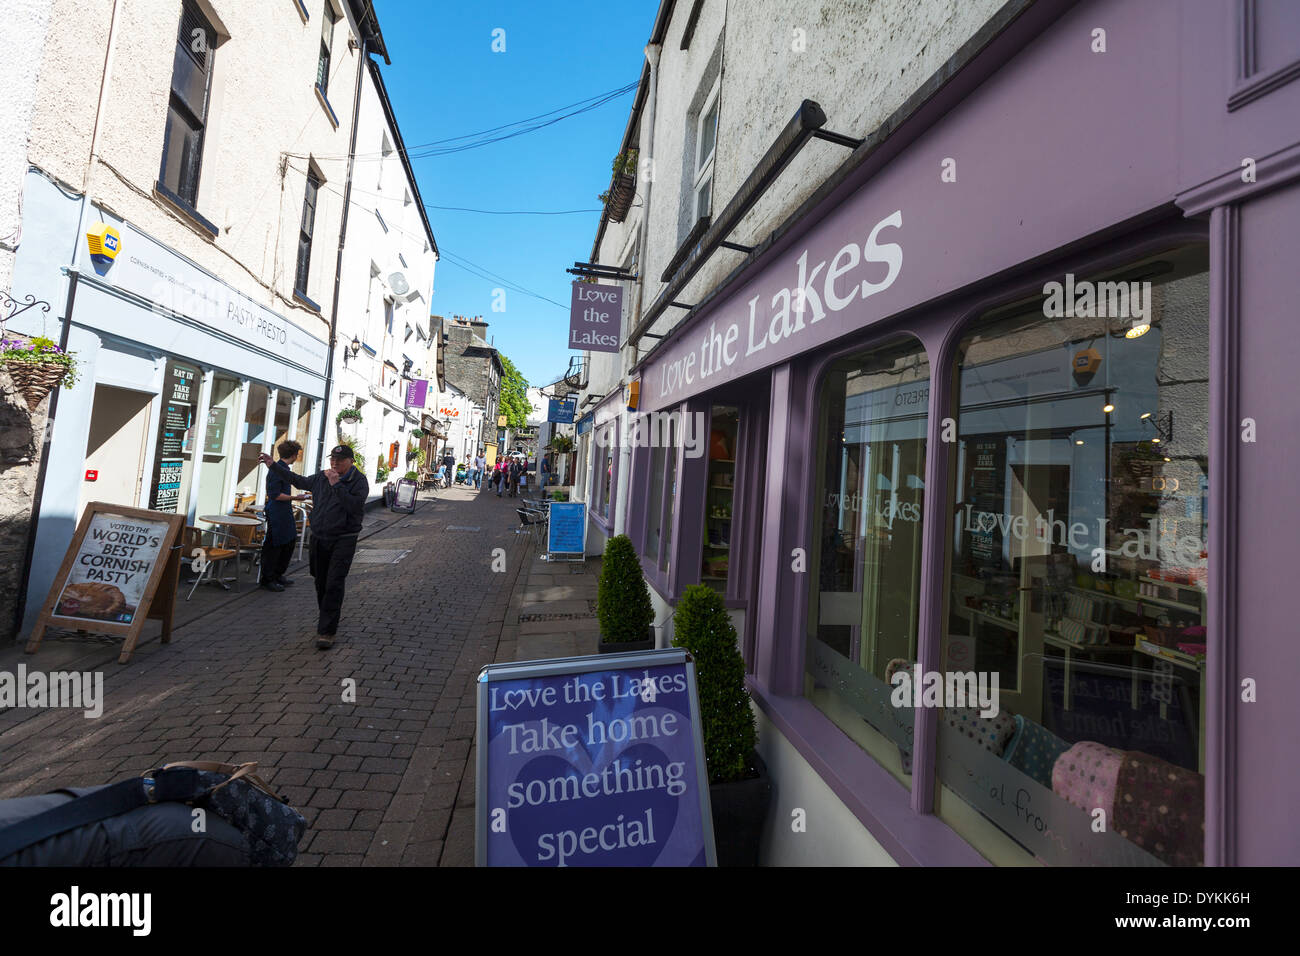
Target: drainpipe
338, 266
652, 52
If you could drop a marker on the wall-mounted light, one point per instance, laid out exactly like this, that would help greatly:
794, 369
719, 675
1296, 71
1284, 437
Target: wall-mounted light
355, 346
1138, 329
1145, 415
1108, 408
1078, 441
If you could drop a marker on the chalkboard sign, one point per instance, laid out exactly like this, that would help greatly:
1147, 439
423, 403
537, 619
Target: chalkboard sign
405, 498
122, 567
567, 528
592, 761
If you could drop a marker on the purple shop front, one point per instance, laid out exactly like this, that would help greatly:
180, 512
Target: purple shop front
1068, 161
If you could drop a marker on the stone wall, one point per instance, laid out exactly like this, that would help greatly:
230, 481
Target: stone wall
21, 436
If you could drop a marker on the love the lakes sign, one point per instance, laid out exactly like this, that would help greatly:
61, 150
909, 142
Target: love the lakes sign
595, 317
592, 761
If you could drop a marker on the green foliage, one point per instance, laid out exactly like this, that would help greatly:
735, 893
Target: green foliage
514, 396
625, 163
41, 351
411, 475
348, 415
702, 626
381, 472
561, 444
622, 599
417, 433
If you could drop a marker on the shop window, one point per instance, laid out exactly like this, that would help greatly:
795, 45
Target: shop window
326, 44
865, 563
187, 111
1077, 572
304, 433
719, 497
603, 476
305, 230
215, 493
253, 441
662, 492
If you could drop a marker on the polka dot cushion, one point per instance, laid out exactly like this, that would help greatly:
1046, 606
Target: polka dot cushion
1036, 751
1161, 808
1085, 775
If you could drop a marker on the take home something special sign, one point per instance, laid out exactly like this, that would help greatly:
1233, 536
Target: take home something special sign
592, 761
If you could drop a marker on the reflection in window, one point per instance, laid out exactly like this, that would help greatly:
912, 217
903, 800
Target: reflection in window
1077, 541
866, 560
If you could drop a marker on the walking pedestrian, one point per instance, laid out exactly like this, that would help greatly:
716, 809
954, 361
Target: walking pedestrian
545, 468
449, 461
513, 476
480, 463
499, 476
281, 530
338, 496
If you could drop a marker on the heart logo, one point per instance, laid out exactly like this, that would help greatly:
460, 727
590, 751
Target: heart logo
510, 696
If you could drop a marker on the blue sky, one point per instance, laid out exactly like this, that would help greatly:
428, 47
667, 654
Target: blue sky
445, 81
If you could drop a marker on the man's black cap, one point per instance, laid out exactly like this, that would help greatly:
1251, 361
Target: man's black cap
341, 451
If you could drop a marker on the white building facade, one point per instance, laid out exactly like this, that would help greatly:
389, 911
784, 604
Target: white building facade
387, 342
205, 339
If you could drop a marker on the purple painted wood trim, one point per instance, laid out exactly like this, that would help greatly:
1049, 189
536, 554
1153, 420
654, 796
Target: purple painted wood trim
688, 511
606, 523
879, 801
771, 668
1221, 658
746, 537
1271, 172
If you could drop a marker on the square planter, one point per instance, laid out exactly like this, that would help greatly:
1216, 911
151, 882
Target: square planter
619, 647
739, 812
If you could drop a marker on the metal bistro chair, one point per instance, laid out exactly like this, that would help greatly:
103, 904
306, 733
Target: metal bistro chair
225, 547
250, 539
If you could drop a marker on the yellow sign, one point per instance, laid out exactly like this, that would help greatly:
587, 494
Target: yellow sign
104, 241
633, 395
501, 421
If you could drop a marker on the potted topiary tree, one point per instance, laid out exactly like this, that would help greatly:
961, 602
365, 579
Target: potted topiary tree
739, 788
623, 600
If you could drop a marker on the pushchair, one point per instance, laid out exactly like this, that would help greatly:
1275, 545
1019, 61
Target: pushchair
462, 475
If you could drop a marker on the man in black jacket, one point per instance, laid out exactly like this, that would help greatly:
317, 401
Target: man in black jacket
338, 496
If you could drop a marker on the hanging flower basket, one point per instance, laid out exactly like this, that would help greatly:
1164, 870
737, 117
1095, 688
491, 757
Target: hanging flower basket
37, 367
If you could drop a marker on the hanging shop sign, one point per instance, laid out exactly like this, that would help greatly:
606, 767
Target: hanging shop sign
585, 422
595, 317
417, 391
561, 410
122, 568
592, 762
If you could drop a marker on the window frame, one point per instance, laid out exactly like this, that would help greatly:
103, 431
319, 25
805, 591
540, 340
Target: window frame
704, 165
306, 233
184, 190
323, 62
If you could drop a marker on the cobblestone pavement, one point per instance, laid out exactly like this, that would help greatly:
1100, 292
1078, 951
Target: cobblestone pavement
377, 779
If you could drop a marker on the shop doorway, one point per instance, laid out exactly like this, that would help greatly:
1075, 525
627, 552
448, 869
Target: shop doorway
117, 447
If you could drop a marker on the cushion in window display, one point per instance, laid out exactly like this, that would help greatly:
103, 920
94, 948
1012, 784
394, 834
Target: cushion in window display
1034, 751
991, 733
1085, 775
1161, 808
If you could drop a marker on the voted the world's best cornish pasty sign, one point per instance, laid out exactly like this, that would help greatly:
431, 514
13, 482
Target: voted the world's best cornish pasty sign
588, 761
595, 317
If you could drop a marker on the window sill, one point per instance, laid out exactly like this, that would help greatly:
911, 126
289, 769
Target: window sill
300, 297
880, 802
191, 214
302, 10
325, 105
